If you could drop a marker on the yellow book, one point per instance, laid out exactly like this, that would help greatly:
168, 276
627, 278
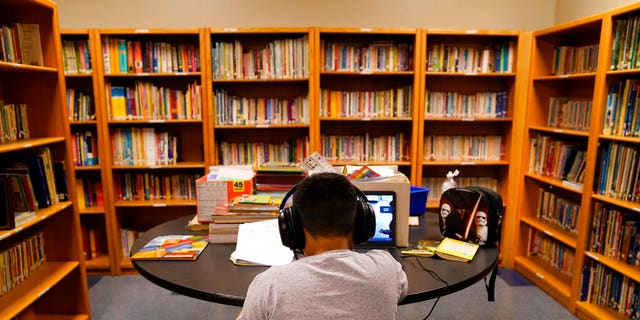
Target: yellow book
118, 103
456, 250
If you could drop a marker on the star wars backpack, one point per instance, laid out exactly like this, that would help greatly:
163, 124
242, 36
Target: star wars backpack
471, 214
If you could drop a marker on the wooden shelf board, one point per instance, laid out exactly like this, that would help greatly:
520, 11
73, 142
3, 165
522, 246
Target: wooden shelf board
465, 163
617, 265
551, 181
152, 74
19, 68
152, 121
552, 231
563, 77
620, 138
469, 74
436, 119
560, 131
180, 165
302, 80
87, 168
156, 203
79, 75
633, 206
91, 210
41, 215
597, 312
82, 122
366, 73
369, 163
261, 126
99, 262
31, 289
28, 143
555, 286
372, 119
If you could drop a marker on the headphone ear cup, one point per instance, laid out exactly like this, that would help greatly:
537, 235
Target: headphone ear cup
290, 227
364, 226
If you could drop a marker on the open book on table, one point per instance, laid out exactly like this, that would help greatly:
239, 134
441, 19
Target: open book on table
172, 247
447, 248
259, 244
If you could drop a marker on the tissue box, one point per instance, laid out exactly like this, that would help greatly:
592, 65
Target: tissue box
418, 200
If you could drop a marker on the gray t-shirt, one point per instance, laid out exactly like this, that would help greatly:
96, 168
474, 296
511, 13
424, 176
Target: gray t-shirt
339, 284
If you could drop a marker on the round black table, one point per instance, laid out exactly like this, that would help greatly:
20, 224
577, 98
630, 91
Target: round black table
214, 278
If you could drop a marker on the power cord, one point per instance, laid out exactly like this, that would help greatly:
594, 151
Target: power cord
437, 277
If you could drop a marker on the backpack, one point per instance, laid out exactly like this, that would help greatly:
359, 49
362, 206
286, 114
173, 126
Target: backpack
471, 214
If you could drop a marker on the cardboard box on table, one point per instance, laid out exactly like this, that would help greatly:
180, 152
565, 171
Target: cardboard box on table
401, 186
212, 193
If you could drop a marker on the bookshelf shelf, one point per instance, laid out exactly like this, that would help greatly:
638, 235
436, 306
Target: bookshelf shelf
551, 230
156, 203
465, 163
552, 182
29, 143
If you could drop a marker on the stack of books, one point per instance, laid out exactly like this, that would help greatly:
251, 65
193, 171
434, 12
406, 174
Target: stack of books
227, 218
277, 177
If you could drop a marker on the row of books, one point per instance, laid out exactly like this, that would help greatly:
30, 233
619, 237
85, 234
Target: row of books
554, 253
84, 148
127, 238
570, 114
146, 101
20, 43
80, 105
615, 234
366, 104
20, 260
235, 110
76, 56
558, 211
30, 184
573, 60
442, 57
89, 192
143, 146
622, 113
365, 147
153, 186
618, 171
610, 289
14, 122
625, 54
94, 239
464, 148
385, 56
234, 153
557, 159
435, 184
466, 105
122, 55
279, 59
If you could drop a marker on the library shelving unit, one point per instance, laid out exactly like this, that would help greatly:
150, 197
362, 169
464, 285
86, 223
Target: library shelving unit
53, 282
261, 86
367, 96
85, 112
609, 250
154, 140
474, 84
559, 155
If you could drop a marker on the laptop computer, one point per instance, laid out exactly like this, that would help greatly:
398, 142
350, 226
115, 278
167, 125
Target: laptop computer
384, 206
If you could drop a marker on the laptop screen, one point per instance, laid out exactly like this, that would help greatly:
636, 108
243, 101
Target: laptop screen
384, 205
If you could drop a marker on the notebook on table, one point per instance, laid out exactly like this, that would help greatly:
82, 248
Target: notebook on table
384, 206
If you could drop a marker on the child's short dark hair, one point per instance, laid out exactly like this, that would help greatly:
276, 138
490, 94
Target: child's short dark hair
327, 204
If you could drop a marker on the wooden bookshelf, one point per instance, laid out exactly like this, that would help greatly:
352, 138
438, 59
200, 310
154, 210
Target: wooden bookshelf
45, 290
270, 81
586, 77
161, 119
367, 95
472, 102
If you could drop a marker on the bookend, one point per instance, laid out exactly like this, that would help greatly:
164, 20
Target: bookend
473, 214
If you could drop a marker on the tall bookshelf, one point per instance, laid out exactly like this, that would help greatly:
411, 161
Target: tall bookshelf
473, 90
56, 271
152, 86
85, 109
261, 82
564, 118
367, 96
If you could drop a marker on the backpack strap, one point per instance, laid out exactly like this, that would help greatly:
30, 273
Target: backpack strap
491, 285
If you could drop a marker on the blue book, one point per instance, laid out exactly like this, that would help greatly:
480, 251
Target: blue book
122, 56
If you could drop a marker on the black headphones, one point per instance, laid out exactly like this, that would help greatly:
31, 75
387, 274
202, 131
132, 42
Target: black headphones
290, 221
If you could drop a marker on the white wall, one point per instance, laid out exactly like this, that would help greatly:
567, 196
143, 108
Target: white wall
569, 10
451, 14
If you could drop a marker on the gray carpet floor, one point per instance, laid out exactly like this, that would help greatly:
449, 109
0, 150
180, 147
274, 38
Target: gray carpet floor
133, 297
